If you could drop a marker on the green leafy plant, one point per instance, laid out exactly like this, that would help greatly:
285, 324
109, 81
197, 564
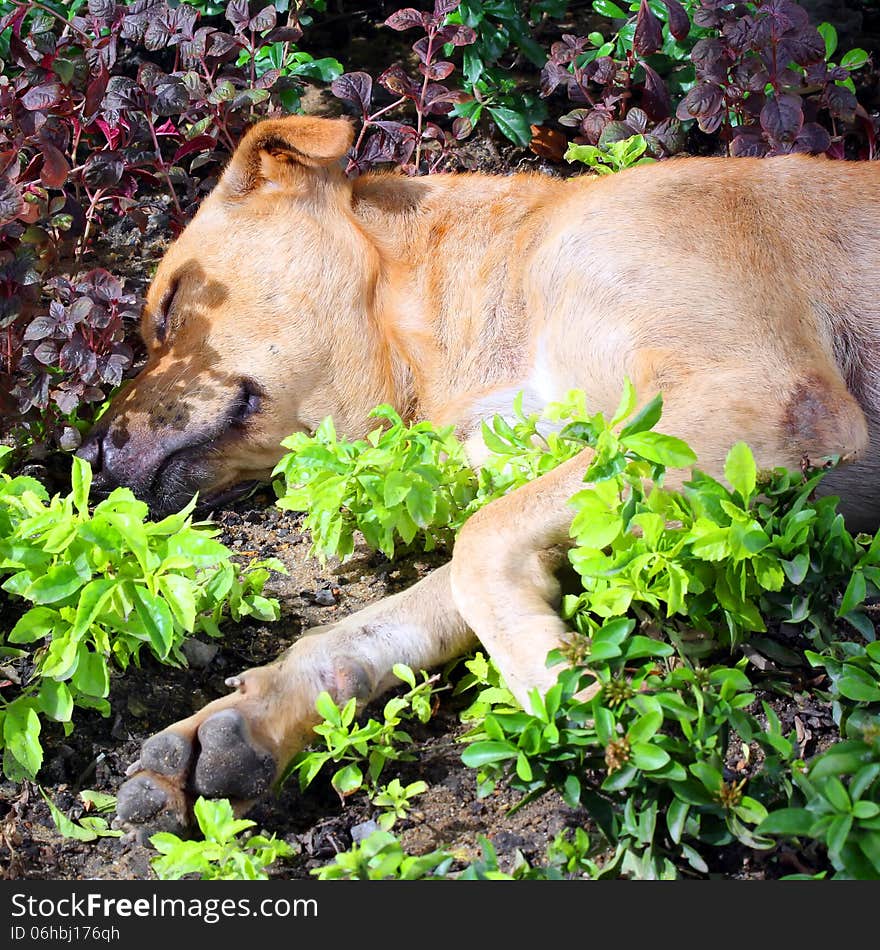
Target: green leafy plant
605, 159
101, 586
89, 827
672, 578
222, 855
380, 857
405, 483
364, 746
395, 800
837, 803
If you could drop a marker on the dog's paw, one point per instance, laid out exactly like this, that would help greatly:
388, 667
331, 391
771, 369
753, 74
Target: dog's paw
214, 754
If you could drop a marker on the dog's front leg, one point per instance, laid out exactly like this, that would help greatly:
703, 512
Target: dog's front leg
503, 578
236, 747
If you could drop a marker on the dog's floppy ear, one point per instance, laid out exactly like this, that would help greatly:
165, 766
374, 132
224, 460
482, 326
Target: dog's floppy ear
277, 152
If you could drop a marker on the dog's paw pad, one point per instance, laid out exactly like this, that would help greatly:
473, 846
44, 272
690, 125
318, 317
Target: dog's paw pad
230, 764
167, 753
148, 803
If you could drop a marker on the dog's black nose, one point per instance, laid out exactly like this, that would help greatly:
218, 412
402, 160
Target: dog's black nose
90, 450
94, 451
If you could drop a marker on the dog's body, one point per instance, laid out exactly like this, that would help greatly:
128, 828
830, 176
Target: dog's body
747, 292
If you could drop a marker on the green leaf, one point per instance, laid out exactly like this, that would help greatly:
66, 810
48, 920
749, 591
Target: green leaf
645, 727
57, 584
854, 595
837, 833
91, 601
347, 780
741, 471
627, 403
21, 735
485, 753
396, 488
67, 828
156, 618
829, 35
55, 700
37, 623
836, 793
663, 449
676, 816
860, 689
609, 9
646, 418
91, 676
198, 549
178, 592
648, 757
512, 124
787, 821
81, 479
854, 59
421, 503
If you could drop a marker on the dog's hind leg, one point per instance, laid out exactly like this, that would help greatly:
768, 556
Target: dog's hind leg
237, 746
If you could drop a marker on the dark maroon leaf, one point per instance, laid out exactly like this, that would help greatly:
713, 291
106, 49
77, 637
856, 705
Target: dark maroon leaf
221, 44
238, 14
604, 69
396, 81
748, 142
455, 34
679, 23
45, 96
406, 19
158, 34
123, 94
80, 310
55, 168
103, 169
40, 327
841, 102
806, 47
264, 19
648, 37
67, 400
172, 97
102, 9
95, 93
552, 75
462, 127
813, 138
46, 353
782, 117
616, 131
443, 8
74, 355
11, 202
656, 100
437, 71
356, 88
285, 34
704, 99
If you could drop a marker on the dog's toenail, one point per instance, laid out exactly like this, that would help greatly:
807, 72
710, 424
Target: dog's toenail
134, 767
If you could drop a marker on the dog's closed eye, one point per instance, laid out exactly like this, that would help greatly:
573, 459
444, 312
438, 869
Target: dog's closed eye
247, 402
164, 313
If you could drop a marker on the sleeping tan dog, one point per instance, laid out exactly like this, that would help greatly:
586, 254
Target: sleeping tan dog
746, 291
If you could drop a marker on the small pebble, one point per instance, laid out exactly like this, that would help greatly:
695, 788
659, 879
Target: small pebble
363, 830
198, 653
325, 597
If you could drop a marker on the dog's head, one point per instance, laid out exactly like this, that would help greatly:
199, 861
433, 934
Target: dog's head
254, 324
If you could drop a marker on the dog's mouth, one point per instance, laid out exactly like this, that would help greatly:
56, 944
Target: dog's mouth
225, 496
